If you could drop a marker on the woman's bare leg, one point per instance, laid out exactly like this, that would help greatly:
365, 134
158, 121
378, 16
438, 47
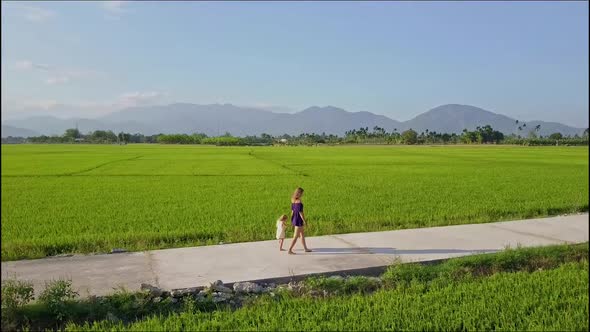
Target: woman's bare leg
295, 236
303, 240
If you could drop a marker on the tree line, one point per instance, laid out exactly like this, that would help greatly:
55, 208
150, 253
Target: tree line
96, 137
481, 135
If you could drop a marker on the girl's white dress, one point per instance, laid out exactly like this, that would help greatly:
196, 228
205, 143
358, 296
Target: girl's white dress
280, 230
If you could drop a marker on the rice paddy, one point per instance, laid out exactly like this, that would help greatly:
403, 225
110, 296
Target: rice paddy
60, 199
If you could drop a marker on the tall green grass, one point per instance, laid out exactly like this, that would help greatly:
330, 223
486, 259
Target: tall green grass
554, 300
526, 289
87, 198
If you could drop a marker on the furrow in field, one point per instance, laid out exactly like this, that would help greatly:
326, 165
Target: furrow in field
102, 165
251, 153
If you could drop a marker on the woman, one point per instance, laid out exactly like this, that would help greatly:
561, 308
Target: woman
297, 220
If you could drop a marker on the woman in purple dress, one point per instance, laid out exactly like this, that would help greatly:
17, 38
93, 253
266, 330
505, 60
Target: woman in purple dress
297, 220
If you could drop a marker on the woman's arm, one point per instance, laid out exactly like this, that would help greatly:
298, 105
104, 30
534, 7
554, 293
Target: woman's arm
302, 217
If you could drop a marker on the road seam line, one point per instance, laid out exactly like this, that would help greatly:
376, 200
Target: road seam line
150, 260
530, 234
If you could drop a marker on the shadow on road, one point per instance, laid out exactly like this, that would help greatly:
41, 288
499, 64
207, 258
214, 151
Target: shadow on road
394, 251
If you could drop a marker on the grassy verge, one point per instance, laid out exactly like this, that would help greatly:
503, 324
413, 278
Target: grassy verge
517, 289
543, 300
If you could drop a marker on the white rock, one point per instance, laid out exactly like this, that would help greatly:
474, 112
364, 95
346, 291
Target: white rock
219, 287
155, 291
180, 292
247, 287
221, 297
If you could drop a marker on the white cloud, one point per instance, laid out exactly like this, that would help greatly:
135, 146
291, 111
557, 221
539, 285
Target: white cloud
140, 98
114, 6
114, 9
15, 107
43, 104
36, 14
57, 80
23, 108
23, 65
271, 107
66, 75
57, 75
28, 65
19, 107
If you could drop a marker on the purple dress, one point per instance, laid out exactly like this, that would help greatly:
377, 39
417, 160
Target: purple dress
296, 219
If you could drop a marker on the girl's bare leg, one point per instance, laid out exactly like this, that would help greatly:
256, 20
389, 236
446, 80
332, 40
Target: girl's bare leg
303, 240
295, 236
281, 244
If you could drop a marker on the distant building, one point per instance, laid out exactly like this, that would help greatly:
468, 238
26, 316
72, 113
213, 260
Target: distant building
283, 140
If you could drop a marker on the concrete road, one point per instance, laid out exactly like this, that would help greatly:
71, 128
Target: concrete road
366, 253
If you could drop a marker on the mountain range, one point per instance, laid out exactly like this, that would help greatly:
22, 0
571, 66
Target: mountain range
17, 132
218, 119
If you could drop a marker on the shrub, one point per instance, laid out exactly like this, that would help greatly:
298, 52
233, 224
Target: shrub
410, 137
15, 294
331, 285
57, 296
404, 274
338, 285
361, 284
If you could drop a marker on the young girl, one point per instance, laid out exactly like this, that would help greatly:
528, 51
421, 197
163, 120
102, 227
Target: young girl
281, 231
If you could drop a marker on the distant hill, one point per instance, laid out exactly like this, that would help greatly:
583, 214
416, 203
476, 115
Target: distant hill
17, 132
46, 125
241, 121
332, 120
453, 118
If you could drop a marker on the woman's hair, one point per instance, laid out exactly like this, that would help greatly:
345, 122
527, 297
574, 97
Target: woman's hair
297, 194
283, 217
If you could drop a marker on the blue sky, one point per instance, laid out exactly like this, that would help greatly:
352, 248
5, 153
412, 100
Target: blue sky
528, 60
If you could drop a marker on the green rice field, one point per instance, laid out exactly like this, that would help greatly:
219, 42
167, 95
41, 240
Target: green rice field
91, 198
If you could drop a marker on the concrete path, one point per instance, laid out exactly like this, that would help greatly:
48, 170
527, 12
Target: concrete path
358, 252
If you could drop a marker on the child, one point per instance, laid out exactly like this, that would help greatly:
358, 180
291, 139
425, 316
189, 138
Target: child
281, 231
